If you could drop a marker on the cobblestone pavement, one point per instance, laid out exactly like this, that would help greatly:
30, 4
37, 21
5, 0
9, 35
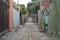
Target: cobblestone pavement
28, 32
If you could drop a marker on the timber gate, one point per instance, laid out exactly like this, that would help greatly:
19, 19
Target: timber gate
4, 16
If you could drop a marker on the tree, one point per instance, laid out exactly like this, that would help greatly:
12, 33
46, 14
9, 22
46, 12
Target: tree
23, 9
29, 7
33, 7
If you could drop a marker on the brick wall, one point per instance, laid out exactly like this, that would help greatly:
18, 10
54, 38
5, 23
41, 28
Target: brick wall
11, 15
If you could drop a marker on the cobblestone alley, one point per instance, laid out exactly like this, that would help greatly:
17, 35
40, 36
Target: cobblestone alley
28, 32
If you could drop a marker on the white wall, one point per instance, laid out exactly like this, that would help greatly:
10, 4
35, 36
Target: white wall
38, 16
16, 18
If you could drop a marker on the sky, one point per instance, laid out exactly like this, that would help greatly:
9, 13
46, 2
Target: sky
22, 2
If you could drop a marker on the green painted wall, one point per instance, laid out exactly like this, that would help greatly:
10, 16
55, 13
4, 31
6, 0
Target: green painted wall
54, 17
58, 16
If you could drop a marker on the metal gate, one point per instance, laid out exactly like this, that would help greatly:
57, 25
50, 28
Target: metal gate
4, 16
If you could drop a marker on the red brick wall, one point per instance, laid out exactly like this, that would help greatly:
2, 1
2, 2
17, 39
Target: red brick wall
11, 15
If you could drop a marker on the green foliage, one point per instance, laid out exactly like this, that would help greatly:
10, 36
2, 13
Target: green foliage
23, 9
29, 7
33, 7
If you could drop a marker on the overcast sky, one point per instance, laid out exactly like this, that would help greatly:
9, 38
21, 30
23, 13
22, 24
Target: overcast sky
22, 2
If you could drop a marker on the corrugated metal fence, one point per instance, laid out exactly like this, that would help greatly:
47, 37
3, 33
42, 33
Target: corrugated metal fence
54, 18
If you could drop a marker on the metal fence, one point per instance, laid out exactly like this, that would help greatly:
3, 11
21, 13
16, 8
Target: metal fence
54, 18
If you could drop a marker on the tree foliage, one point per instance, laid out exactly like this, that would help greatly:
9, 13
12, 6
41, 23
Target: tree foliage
23, 9
33, 6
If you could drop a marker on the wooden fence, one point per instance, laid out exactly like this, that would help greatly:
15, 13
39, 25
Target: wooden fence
4, 16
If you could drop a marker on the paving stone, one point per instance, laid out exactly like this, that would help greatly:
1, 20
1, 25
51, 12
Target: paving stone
29, 32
